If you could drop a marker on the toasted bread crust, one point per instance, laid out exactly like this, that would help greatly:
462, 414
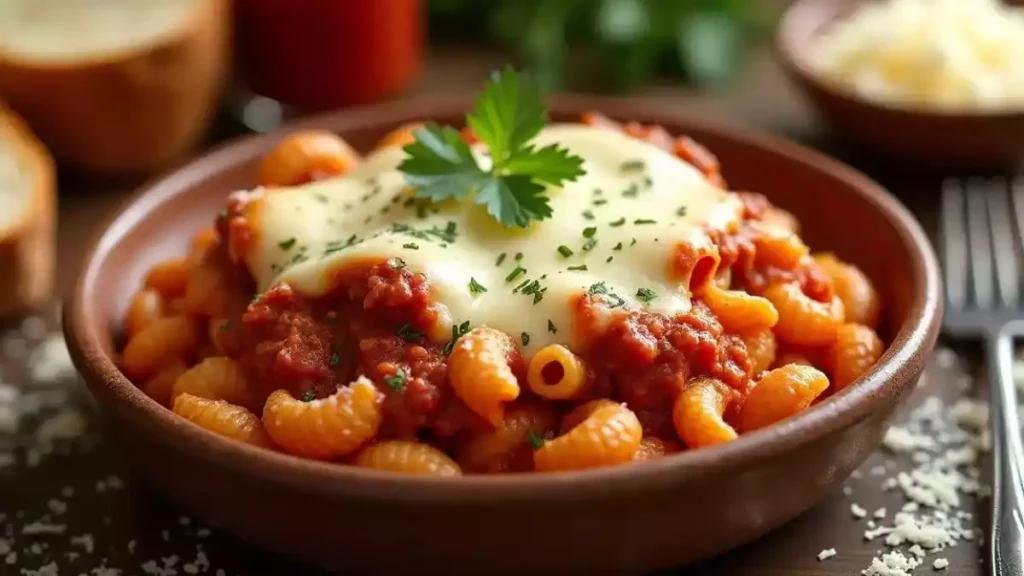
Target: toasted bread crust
133, 111
27, 249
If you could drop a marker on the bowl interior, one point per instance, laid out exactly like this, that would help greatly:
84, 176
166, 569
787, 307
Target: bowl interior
839, 209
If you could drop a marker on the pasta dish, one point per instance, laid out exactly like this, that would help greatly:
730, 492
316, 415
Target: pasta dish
355, 309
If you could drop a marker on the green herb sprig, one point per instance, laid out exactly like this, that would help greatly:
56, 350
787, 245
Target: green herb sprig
506, 116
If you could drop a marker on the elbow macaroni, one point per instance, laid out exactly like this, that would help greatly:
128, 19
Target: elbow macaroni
555, 373
480, 373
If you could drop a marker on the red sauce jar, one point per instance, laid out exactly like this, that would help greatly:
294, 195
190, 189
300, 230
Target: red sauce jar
321, 54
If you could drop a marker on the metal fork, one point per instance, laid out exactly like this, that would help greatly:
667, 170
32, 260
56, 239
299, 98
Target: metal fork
981, 259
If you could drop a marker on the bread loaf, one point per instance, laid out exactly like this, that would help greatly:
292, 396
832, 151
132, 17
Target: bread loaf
27, 203
115, 86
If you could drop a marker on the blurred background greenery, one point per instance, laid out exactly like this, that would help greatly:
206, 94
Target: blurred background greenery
612, 45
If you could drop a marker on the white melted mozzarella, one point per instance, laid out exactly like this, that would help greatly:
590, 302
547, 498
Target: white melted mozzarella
640, 200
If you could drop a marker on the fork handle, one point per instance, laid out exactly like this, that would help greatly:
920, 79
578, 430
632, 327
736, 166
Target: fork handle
1006, 541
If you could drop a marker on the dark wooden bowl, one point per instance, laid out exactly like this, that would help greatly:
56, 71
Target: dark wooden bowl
952, 140
625, 519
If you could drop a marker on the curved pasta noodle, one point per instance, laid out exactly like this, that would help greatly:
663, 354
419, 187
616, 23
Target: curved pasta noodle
223, 418
146, 307
508, 447
803, 320
479, 372
860, 299
158, 344
306, 156
652, 448
327, 428
401, 136
698, 413
695, 263
738, 311
210, 291
761, 349
168, 277
780, 394
610, 435
159, 387
779, 247
217, 378
407, 458
855, 350
555, 373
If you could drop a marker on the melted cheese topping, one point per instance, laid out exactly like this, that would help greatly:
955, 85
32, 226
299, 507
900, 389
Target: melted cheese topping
72, 30
621, 221
16, 184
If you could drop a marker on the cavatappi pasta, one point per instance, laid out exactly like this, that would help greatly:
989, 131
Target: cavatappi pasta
330, 314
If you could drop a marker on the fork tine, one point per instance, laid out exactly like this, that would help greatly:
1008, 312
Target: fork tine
979, 244
954, 246
1004, 249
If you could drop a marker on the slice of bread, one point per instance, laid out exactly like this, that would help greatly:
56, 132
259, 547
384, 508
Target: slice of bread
115, 86
27, 220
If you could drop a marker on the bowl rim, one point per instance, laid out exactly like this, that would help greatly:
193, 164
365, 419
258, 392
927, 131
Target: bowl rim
882, 384
789, 52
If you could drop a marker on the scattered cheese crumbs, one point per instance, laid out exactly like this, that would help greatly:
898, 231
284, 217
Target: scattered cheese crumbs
893, 563
858, 511
847, 491
5, 547
943, 443
50, 361
826, 554
203, 532
899, 439
43, 528
131, 546
47, 570
184, 521
33, 328
66, 425
9, 420
104, 571
67, 492
86, 541
56, 506
940, 564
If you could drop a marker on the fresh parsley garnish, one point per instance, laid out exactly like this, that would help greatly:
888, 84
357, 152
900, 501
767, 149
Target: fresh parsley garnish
335, 359
397, 263
552, 328
525, 336
476, 287
565, 251
646, 294
458, 331
501, 258
642, 221
536, 440
287, 244
406, 332
308, 396
632, 166
396, 382
681, 211
411, 246
506, 116
515, 273
617, 223
580, 268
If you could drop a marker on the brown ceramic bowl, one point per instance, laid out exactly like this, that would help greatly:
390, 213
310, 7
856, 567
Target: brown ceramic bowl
952, 140
624, 519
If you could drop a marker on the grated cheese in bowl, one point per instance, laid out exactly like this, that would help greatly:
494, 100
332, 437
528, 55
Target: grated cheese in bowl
939, 55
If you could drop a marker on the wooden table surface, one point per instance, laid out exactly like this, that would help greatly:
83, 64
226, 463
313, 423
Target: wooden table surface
134, 530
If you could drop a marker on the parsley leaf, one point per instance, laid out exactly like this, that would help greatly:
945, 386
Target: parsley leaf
396, 382
506, 116
439, 164
308, 396
476, 287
